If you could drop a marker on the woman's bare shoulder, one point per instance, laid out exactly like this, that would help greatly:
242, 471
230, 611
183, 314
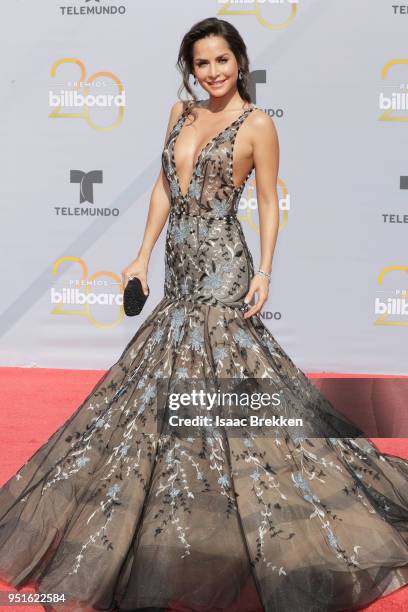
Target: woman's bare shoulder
178, 108
176, 111
260, 119
262, 125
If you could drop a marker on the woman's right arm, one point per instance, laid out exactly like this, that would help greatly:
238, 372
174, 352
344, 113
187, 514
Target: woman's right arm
159, 208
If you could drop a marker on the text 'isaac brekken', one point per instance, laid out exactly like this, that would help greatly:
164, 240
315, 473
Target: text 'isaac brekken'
217, 421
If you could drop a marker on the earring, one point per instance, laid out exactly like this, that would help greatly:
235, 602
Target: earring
240, 75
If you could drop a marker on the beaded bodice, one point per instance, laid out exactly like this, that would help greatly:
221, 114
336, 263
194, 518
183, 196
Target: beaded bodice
211, 190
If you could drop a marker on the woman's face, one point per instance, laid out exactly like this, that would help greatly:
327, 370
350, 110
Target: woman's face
214, 65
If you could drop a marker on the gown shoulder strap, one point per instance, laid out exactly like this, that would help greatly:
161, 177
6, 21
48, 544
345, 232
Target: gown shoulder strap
187, 106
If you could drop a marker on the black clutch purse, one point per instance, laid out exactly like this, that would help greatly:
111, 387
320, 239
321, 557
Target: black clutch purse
134, 297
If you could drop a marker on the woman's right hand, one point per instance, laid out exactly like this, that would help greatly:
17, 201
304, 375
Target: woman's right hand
138, 268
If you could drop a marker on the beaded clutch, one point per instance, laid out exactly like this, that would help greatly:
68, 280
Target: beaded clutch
133, 297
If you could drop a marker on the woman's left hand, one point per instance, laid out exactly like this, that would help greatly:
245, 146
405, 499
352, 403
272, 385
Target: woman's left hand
259, 284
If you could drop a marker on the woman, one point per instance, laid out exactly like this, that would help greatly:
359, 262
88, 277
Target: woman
110, 514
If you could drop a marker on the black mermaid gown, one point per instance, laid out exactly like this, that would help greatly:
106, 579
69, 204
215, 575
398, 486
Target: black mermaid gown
117, 516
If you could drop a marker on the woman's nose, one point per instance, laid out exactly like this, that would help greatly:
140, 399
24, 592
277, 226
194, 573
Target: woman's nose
213, 71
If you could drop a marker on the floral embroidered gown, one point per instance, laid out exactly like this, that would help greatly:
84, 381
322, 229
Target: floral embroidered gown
116, 516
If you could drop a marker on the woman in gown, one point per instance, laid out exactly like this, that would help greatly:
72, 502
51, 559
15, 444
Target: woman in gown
109, 514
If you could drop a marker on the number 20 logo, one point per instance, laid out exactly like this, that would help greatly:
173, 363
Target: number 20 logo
85, 113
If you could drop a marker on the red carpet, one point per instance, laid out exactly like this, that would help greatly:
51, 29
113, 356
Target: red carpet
36, 401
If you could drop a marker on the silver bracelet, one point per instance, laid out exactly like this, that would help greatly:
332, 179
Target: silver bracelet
267, 274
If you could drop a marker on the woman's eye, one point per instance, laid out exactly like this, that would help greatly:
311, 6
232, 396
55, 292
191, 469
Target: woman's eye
222, 60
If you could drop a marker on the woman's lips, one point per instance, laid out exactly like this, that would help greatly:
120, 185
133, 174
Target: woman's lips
217, 83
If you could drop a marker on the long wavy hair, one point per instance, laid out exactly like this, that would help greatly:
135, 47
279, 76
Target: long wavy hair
217, 27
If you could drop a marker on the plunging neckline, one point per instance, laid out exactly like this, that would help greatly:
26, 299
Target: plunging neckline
201, 151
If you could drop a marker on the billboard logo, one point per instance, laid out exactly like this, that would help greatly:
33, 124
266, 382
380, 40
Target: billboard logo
77, 101
97, 297
397, 100
248, 205
70, 97
392, 305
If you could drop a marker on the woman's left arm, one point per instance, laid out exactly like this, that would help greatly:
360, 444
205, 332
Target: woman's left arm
265, 146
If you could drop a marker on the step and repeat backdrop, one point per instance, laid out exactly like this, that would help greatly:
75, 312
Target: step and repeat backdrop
87, 87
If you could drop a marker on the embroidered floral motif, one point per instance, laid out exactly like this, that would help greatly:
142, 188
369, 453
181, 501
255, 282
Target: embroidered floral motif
196, 343
180, 232
221, 208
212, 281
194, 190
243, 339
174, 189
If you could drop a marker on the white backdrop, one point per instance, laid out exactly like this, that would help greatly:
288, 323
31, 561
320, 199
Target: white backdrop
76, 180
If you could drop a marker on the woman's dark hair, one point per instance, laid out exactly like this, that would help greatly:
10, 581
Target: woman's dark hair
217, 27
